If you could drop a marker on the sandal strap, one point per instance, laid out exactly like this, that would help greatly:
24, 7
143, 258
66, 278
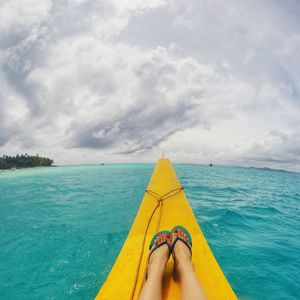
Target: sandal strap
184, 230
156, 235
182, 240
156, 247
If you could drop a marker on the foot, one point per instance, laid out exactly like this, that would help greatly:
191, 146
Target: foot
160, 256
181, 252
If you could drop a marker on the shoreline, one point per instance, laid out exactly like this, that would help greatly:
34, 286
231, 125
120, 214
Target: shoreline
15, 169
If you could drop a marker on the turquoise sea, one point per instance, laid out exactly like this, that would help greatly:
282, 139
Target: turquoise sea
62, 228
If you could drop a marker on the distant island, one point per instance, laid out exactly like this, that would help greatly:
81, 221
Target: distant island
270, 169
24, 161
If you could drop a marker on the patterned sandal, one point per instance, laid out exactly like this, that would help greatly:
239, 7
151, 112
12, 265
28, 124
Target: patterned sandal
152, 249
187, 243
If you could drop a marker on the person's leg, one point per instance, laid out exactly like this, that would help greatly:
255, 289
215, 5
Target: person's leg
152, 289
189, 284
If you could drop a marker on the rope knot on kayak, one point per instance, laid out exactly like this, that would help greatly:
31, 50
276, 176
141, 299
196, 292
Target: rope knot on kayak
160, 199
159, 205
166, 195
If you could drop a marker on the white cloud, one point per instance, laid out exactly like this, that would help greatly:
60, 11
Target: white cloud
19, 18
207, 81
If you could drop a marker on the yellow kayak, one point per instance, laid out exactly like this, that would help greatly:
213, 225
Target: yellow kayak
164, 206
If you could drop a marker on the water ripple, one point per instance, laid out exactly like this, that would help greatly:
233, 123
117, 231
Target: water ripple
61, 229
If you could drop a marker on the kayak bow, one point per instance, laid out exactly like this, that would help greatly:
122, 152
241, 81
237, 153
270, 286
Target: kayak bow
164, 205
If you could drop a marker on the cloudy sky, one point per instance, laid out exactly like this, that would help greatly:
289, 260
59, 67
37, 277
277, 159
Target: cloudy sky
86, 81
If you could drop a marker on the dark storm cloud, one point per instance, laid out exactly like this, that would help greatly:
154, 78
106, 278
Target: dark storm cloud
142, 127
157, 100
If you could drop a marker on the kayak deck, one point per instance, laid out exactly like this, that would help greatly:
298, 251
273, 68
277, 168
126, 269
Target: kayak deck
127, 275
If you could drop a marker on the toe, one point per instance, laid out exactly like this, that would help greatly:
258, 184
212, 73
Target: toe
175, 234
161, 238
169, 238
180, 233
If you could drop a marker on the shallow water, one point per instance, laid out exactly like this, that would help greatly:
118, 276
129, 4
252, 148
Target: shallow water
57, 226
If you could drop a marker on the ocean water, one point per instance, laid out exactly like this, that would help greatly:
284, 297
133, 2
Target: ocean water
62, 228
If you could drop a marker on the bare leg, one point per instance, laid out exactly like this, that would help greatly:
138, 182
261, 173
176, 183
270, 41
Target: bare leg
189, 284
152, 289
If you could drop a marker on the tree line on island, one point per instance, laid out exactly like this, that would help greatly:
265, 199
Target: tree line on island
24, 161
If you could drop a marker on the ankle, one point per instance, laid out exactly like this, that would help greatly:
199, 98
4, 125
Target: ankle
156, 269
184, 265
